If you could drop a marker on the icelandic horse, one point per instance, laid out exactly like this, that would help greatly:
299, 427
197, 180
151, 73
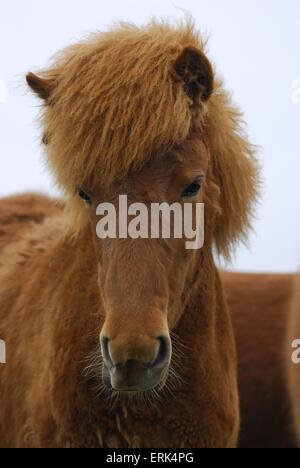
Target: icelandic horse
125, 342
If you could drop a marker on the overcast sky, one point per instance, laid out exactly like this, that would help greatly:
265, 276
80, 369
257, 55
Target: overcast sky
255, 46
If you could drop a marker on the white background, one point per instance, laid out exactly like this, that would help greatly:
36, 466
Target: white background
255, 45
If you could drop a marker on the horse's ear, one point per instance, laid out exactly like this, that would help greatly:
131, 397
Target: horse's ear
41, 86
235, 172
193, 68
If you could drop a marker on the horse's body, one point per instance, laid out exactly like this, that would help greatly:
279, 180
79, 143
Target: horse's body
134, 111
47, 399
259, 306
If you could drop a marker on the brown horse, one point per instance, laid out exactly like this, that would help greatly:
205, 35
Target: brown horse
260, 307
138, 112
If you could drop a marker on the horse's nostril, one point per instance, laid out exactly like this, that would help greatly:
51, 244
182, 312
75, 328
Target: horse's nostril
105, 351
163, 354
134, 372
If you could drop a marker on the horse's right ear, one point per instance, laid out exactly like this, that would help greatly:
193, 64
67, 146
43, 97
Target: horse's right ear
41, 86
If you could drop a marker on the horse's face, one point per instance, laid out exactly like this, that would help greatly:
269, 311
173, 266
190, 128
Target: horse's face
141, 281
110, 103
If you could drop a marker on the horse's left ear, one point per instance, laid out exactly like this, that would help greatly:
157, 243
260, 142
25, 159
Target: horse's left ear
194, 69
41, 86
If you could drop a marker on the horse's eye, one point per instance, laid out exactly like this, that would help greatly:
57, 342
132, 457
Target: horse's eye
193, 189
85, 197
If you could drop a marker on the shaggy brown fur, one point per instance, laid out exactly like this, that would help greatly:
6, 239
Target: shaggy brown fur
15, 218
126, 111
